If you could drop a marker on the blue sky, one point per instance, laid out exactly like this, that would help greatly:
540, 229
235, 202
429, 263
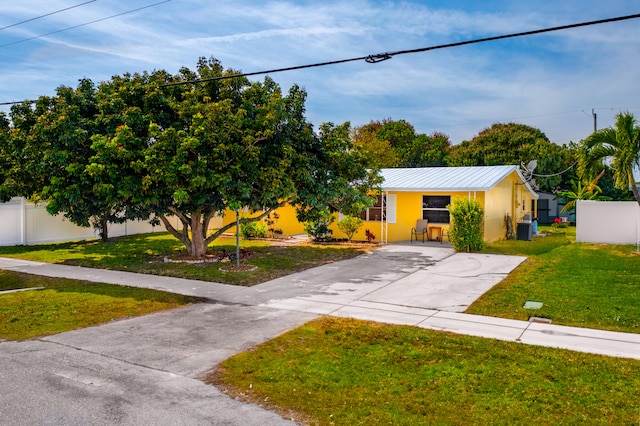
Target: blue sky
550, 81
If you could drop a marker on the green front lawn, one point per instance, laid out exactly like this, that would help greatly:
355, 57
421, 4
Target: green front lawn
580, 284
145, 253
66, 304
346, 372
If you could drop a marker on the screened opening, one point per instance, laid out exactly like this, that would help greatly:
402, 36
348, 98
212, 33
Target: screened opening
434, 208
376, 212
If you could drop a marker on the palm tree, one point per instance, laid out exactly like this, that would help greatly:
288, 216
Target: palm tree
620, 145
582, 191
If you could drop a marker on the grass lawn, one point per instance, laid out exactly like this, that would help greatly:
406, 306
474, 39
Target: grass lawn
145, 253
345, 372
580, 284
66, 304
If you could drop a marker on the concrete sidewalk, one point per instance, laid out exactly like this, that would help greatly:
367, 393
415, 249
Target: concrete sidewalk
427, 286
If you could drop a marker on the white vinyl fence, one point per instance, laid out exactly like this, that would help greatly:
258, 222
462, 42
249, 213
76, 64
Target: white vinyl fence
608, 222
23, 223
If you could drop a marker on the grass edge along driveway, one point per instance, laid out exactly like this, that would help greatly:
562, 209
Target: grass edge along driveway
61, 304
336, 371
579, 284
145, 253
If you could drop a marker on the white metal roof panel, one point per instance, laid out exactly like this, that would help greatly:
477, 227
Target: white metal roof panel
449, 179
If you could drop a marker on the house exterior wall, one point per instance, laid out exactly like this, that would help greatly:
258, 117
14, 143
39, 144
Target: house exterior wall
505, 198
408, 209
509, 197
287, 220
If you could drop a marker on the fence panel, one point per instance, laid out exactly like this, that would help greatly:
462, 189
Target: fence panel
608, 222
11, 219
26, 223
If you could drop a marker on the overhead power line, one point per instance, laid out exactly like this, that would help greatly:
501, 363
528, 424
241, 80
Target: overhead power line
46, 14
18, 102
372, 59
85, 24
379, 57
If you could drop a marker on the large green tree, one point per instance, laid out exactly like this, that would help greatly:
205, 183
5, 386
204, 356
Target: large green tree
10, 182
54, 156
379, 152
618, 145
230, 144
513, 143
390, 143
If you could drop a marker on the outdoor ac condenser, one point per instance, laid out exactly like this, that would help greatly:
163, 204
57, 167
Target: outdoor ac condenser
525, 231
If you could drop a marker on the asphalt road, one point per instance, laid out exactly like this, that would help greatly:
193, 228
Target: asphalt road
141, 371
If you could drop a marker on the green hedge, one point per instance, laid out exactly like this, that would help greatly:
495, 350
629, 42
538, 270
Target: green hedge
467, 216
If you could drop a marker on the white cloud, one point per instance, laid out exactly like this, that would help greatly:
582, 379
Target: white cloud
550, 81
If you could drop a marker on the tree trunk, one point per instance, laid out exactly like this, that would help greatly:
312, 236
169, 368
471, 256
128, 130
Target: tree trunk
198, 241
104, 230
194, 231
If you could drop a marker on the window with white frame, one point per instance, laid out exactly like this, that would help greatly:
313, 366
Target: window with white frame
376, 212
434, 208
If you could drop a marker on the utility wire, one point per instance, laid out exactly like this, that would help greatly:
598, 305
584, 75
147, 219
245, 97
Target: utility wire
379, 57
47, 14
18, 102
557, 174
372, 59
85, 24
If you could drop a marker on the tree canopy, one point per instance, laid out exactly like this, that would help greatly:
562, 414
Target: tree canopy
53, 158
513, 143
390, 143
142, 146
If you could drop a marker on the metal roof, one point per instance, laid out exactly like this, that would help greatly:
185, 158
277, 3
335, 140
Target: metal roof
447, 179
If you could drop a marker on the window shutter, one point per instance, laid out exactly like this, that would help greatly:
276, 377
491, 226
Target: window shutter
391, 208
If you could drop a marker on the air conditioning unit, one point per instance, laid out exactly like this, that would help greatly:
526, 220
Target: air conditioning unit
525, 231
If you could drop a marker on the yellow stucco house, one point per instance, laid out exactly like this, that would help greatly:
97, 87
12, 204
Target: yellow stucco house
409, 194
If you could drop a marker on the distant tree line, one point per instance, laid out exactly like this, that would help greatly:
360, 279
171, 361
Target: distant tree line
391, 143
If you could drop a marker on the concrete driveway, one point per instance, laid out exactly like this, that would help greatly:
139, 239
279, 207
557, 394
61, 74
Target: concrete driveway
410, 275
147, 370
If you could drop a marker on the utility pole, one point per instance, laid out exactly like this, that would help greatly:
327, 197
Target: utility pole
595, 120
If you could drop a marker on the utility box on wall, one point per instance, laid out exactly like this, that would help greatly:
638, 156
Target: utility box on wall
525, 231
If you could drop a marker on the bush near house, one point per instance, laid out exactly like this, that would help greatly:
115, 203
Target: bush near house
318, 227
253, 230
350, 225
465, 233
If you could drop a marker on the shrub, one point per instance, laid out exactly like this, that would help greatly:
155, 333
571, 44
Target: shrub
467, 216
370, 235
257, 229
318, 228
272, 222
508, 224
350, 225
